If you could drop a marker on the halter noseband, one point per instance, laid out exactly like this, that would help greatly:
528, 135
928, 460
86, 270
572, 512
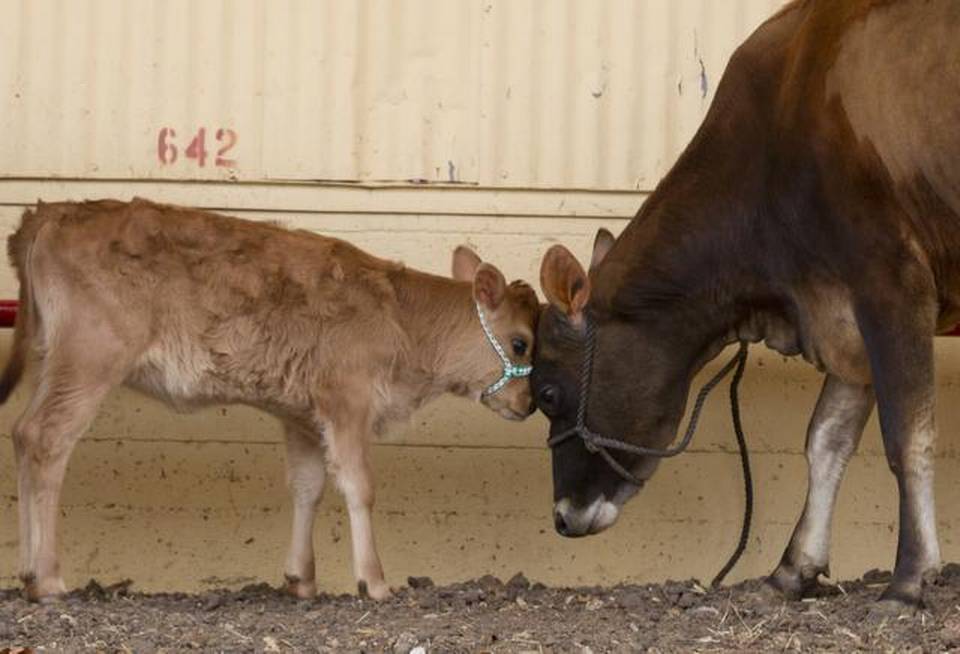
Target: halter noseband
510, 370
595, 442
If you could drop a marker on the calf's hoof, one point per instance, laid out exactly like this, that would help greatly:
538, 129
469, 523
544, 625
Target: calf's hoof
375, 590
300, 588
44, 591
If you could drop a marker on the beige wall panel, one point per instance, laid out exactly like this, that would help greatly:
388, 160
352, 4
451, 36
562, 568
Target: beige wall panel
311, 90
423, 241
601, 94
506, 93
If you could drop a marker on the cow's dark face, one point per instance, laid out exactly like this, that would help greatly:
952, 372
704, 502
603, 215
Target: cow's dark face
637, 394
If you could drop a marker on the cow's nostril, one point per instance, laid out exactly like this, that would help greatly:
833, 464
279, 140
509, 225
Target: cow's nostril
559, 523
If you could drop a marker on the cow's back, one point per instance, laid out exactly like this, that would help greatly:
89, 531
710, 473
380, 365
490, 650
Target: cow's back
874, 82
896, 76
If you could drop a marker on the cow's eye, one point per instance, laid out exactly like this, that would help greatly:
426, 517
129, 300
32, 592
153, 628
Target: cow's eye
548, 398
519, 346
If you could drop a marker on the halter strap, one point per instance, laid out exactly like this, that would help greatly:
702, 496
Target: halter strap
510, 370
597, 443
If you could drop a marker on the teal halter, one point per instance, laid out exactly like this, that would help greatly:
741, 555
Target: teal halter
509, 369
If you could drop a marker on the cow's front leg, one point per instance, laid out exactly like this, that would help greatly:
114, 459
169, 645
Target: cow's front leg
349, 454
832, 438
900, 345
306, 473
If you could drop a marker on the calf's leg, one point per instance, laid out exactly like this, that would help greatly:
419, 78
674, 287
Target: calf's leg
44, 438
306, 473
832, 438
348, 446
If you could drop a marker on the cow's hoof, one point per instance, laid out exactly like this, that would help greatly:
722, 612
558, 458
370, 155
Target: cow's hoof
896, 601
300, 588
891, 609
784, 585
376, 590
770, 591
796, 584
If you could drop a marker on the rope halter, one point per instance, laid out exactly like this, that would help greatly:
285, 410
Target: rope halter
510, 370
597, 443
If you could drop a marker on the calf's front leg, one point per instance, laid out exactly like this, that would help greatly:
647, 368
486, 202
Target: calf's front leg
832, 438
349, 455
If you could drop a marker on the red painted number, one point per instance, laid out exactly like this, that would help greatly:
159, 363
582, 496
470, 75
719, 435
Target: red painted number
229, 139
197, 149
166, 151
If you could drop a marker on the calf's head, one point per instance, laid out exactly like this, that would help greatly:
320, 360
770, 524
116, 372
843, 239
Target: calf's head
636, 391
501, 349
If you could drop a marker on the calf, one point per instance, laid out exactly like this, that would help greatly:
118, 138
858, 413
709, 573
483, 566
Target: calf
197, 308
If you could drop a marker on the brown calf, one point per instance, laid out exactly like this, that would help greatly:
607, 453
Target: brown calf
198, 308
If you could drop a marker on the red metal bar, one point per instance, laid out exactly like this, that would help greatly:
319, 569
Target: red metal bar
8, 312
8, 315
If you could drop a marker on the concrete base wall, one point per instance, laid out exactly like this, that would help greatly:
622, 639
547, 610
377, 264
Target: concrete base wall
186, 502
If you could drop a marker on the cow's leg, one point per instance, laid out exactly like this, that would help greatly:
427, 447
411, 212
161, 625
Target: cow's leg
306, 473
900, 346
832, 438
44, 437
348, 446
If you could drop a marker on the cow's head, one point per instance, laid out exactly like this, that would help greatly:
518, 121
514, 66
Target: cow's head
501, 352
636, 393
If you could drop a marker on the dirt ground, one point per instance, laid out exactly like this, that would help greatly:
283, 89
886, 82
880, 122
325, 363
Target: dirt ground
485, 615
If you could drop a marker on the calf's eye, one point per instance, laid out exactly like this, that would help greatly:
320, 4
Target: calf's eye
519, 346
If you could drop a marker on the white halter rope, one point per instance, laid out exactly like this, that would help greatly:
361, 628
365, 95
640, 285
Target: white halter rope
509, 369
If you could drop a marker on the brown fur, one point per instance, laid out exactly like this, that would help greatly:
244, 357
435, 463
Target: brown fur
198, 308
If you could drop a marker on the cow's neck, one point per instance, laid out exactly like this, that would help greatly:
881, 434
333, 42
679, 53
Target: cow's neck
446, 346
693, 263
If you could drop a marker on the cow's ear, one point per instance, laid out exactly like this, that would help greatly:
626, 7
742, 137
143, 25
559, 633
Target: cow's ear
564, 282
489, 286
465, 263
601, 246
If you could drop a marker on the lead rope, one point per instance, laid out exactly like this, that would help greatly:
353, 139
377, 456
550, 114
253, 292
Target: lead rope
597, 444
745, 464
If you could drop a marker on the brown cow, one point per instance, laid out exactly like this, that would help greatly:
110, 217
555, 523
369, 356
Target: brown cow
817, 209
198, 308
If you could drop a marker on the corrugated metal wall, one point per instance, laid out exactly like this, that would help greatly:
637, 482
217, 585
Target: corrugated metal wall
507, 124
502, 93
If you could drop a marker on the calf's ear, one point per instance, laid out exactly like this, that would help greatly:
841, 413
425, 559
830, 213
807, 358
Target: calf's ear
465, 263
601, 246
564, 282
489, 286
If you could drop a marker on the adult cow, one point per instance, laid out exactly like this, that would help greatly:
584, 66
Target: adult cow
817, 209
